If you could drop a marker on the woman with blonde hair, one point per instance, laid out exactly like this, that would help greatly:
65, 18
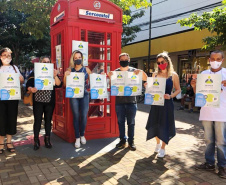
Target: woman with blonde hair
161, 123
79, 106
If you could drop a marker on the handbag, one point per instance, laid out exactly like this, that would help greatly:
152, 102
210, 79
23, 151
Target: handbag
28, 97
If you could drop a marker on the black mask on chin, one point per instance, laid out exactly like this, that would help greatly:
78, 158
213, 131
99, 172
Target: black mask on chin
124, 63
77, 61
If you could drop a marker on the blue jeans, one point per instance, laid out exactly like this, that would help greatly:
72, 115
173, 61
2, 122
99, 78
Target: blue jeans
124, 111
80, 107
215, 134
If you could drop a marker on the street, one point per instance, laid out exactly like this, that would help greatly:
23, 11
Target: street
98, 162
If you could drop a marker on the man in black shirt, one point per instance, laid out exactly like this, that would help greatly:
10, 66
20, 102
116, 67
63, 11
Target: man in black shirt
126, 106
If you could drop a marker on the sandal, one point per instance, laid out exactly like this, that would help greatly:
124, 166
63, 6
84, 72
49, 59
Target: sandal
2, 150
12, 150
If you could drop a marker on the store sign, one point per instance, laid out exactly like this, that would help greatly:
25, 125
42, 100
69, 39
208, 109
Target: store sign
96, 4
59, 17
94, 14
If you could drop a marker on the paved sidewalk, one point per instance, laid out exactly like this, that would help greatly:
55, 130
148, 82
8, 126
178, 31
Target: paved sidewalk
98, 162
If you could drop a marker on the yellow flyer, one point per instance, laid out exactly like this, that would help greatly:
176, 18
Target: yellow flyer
208, 89
75, 85
155, 91
10, 86
98, 86
133, 85
44, 76
118, 83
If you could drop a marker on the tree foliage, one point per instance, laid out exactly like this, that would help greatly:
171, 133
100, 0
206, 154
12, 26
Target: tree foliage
214, 22
22, 44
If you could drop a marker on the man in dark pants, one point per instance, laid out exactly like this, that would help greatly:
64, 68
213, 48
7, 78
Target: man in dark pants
126, 106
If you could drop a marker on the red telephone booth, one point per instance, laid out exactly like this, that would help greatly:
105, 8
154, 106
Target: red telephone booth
100, 24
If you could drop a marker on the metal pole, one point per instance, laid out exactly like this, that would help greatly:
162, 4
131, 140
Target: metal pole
149, 41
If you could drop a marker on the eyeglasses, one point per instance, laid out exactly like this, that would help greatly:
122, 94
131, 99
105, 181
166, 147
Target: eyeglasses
6, 56
162, 62
45, 61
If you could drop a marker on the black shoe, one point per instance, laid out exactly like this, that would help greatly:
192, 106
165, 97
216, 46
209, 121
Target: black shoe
36, 143
222, 172
12, 150
205, 166
47, 142
121, 144
132, 146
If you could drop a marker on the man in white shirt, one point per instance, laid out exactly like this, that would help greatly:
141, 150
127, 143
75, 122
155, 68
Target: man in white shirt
214, 120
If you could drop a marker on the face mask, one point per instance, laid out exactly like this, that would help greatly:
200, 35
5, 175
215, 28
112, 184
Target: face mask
6, 61
77, 61
124, 63
163, 66
215, 64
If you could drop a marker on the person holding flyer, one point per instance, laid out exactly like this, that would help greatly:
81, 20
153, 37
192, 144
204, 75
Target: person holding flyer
8, 108
126, 106
79, 106
161, 122
43, 103
214, 120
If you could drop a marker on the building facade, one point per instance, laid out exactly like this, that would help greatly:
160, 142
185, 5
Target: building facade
183, 43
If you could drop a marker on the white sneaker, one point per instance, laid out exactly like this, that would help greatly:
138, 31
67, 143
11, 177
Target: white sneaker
83, 140
157, 148
77, 143
161, 153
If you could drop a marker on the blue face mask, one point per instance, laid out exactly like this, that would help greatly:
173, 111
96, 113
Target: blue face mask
77, 61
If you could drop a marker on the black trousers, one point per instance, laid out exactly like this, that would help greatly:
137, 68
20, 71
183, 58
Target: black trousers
38, 109
8, 117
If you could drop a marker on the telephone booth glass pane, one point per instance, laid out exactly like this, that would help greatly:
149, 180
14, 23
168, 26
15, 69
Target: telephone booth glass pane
96, 111
108, 53
96, 53
108, 110
97, 67
96, 38
109, 39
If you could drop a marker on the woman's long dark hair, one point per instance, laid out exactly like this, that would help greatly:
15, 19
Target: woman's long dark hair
2, 51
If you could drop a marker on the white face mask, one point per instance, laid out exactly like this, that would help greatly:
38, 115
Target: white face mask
215, 64
6, 61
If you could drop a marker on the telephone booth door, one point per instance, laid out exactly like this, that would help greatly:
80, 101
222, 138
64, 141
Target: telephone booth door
104, 47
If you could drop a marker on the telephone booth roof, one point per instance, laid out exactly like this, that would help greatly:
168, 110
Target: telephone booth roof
90, 11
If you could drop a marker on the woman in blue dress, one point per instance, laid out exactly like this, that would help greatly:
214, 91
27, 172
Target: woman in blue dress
161, 123
79, 106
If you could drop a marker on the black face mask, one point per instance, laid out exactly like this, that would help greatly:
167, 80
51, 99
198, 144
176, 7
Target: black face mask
77, 61
124, 63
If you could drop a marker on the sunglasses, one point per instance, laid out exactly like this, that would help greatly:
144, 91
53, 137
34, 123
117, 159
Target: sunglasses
162, 62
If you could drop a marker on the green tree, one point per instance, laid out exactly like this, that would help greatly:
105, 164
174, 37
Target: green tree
214, 22
129, 32
21, 43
